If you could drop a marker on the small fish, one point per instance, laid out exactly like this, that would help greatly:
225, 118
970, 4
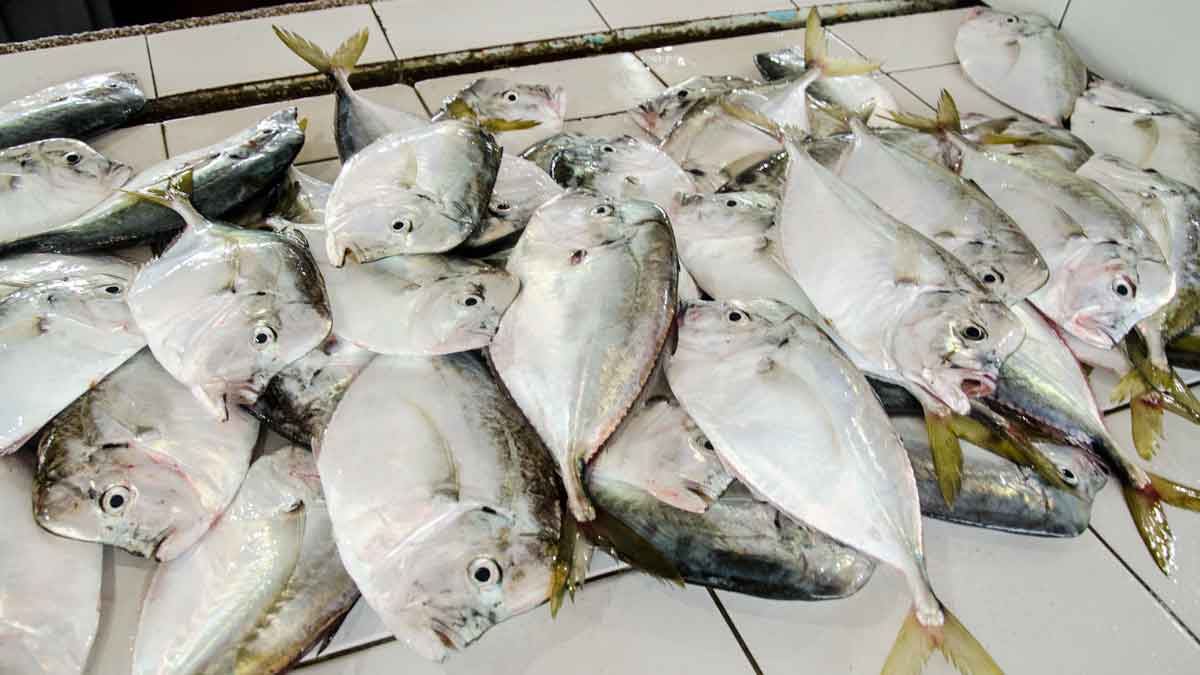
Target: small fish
76, 109
64, 325
225, 308
1030, 139
47, 183
521, 187
518, 114
1022, 60
419, 304
227, 176
598, 295
249, 609
359, 121
49, 587
423, 191
138, 464
657, 116
715, 146
445, 510
1150, 133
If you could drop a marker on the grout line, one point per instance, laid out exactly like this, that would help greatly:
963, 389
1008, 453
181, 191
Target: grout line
150, 62
383, 29
933, 65
649, 68
1062, 19
736, 634
602, 17
905, 87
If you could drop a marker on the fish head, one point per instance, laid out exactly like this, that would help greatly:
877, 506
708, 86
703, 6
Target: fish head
1079, 469
729, 214
988, 42
473, 569
265, 149
495, 98
622, 166
400, 221
658, 115
1006, 263
710, 330
462, 311
91, 305
587, 220
71, 163
952, 345
121, 89
1113, 96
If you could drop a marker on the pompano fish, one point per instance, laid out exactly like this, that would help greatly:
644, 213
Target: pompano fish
1026, 137
64, 325
249, 608
519, 114
419, 304
227, 176
225, 308
855, 93
521, 187
622, 167
1022, 60
47, 183
598, 294
358, 121
137, 463
1150, 133
76, 109
423, 191
714, 146
797, 423
49, 587
445, 510
657, 116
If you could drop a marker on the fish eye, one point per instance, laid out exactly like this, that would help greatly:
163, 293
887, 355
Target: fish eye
503, 206
577, 256
683, 93
113, 85
607, 148
484, 572
112, 289
115, 499
735, 316
1068, 476
263, 335
708, 444
72, 158
974, 333
602, 210
472, 300
1010, 19
510, 96
1124, 288
731, 203
402, 224
992, 277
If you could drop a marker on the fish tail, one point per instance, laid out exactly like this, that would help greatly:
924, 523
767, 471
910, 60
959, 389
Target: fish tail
1146, 417
1150, 519
625, 544
816, 52
343, 59
780, 132
1006, 442
570, 567
946, 119
947, 455
915, 643
175, 194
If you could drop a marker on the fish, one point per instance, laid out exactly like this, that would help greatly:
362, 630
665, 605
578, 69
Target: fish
64, 325
1151, 133
46, 183
518, 114
598, 295
1022, 60
249, 609
358, 121
947, 209
521, 187
657, 116
227, 176
49, 587
796, 422
857, 93
445, 511
423, 191
138, 463
77, 109
715, 146
421, 304
299, 400
1028, 138
225, 308
303, 201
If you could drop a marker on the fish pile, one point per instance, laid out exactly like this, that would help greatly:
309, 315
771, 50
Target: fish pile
748, 349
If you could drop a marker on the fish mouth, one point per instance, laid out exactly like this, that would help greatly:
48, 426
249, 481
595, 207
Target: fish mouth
1091, 332
978, 385
645, 117
974, 13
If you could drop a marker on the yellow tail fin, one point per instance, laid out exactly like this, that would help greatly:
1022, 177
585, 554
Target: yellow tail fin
915, 643
946, 119
571, 560
816, 52
344, 58
947, 455
1151, 522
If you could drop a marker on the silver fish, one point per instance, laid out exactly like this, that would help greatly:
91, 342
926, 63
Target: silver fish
303, 201
521, 187
137, 463
518, 114
76, 109
657, 116
1030, 139
714, 146
445, 510
1022, 60
64, 325
598, 294
853, 93
423, 191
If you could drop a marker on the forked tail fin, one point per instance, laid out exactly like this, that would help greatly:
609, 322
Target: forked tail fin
915, 644
947, 455
175, 194
946, 119
816, 52
343, 60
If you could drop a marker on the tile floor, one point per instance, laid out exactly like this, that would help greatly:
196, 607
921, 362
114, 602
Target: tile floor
1092, 604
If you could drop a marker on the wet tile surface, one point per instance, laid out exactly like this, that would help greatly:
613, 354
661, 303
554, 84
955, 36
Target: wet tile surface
928, 83
622, 13
905, 42
140, 147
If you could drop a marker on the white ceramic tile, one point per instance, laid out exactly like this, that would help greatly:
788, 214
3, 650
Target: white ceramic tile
1051, 9
1157, 39
139, 147
125, 580
248, 51
419, 28
327, 170
907, 101
616, 124
27, 72
595, 85
623, 13
623, 625
729, 56
189, 133
1037, 605
928, 83
905, 42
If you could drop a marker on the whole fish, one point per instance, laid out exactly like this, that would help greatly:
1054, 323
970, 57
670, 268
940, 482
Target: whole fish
137, 463
300, 398
521, 187
658, 115
46, 183
64, 325
423, 191
1026, 137
256, 608
855, 93
419, 304
225, 308
798, 424
445, 510
518, 114
598, 294
358, 121
49, 587
1150, 133
1022, 60
76, 109
227, 177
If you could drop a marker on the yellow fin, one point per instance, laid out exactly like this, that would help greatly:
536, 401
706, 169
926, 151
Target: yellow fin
309, 51
947, 113
1175, 494
947, 456
963, 651
1147, 421
912, 121
347, 54
761, 122
911, 650
459, 110
1006, 443
1151, 522
845, 67
497, 125
564, 576
816, 52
